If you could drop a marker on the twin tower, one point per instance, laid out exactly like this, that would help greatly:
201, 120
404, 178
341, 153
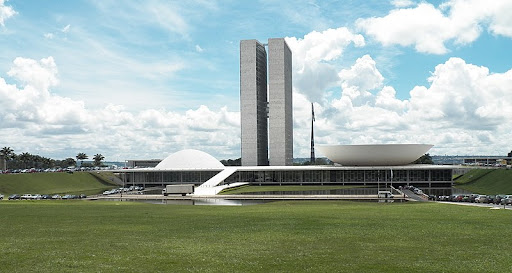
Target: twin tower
266, 103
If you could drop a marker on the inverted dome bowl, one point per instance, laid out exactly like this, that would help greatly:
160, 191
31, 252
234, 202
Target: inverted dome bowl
374, 154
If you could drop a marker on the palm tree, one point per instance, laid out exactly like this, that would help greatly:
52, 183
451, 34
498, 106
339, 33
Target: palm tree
97, 159
81, 157
48, 162
6, 152
25, 158
69, 162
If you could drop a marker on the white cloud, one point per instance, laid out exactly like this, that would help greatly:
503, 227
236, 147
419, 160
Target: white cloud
463, 95
66, 28
312, 57
169, 18
402, 3
462, 111
33, 118
38, 74
48, 35
428, 28
199, 49
5, 12
386, 99
361, 78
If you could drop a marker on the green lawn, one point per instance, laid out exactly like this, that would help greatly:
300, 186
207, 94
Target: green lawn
53, 183
93, 236
486, 181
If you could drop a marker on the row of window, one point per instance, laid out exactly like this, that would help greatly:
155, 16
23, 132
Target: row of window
309, 176
341, 176
196, 177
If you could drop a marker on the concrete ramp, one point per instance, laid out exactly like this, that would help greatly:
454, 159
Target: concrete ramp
211, 187
413, 196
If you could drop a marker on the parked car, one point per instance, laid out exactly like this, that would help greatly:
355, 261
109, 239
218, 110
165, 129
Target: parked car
472, 197
465, 198
497, 199
14, 197
481, 199
26, 196
444, 198
56, 196
490, 199
506, 200
417, 191
82, 196
46, 196
457, 197
1, 196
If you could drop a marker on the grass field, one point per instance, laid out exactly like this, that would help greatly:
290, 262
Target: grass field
91, 236
53, 183
486, 181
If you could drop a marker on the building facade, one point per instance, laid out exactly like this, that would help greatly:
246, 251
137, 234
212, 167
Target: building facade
432, 179
206, 172
253, 103
280, 103
266, 115
143, 163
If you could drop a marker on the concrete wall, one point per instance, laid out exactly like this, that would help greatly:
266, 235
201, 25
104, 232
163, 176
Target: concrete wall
280, 103
253, 103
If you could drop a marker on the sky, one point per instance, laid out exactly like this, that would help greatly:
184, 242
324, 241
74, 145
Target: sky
145, 79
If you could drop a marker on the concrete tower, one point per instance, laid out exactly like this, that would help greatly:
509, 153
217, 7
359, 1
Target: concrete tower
253, 103
280, 103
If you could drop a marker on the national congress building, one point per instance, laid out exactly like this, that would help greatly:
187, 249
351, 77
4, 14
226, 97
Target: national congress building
266, 115
267, 143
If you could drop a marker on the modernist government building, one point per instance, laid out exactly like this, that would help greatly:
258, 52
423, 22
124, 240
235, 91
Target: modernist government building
267, 143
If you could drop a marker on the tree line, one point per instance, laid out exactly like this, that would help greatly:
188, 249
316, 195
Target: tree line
27, 160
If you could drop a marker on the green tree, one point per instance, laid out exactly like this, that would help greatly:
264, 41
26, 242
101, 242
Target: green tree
26, 158
69, 162
97, 159
81, 157
48, 162
424, 159
7, 153
231, 162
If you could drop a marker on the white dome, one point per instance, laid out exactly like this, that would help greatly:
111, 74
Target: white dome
375, 154
189, 159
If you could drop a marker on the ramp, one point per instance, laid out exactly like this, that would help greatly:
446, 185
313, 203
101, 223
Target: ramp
211, 187
413, 196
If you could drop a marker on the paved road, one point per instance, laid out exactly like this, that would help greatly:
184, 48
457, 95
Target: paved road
491, 206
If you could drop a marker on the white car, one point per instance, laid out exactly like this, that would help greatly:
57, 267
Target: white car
1, 196
26, 196
481, 199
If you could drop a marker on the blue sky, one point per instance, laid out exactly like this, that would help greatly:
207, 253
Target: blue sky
143, 79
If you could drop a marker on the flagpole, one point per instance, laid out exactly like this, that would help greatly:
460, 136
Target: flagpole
312, 136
